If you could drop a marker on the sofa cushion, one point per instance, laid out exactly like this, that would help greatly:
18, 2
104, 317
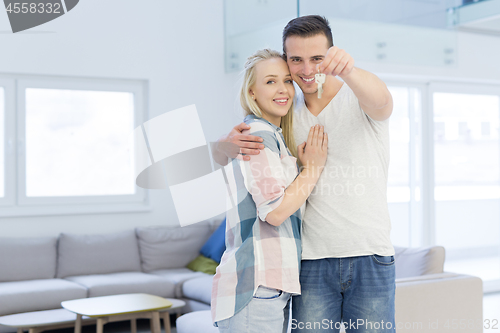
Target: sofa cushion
177, 276
98, 254
216, 244
199, 321
192, 305
203, 264
171, 247
34, 295
199, 289
418, 261
124, 283
27, 258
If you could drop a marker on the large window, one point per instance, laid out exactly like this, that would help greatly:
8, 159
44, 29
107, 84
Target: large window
69, 145
76, 143
2, 142
466, 149
403, 183
444, 174
466, 178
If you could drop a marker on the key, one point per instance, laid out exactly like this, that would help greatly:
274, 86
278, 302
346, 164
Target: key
320, 79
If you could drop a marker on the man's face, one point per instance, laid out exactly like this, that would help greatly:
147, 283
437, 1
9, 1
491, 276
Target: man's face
303, 54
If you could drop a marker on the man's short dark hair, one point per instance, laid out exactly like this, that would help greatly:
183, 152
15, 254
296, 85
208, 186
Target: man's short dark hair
308, 26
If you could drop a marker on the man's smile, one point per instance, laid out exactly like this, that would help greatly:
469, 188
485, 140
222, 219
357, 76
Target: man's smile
307, 80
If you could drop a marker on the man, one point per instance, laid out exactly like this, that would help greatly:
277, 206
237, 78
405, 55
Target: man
347, 271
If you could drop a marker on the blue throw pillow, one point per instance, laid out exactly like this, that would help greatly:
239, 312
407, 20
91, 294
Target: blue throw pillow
216, 244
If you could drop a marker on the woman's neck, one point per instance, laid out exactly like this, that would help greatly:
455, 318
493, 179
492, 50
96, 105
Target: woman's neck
273, 120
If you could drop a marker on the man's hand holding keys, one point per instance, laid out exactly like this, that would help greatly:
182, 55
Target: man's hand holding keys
336, 62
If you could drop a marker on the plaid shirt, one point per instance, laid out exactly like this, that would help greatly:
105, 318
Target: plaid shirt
258, 253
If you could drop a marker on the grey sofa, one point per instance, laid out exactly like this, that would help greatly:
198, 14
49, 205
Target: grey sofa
427, 298
40, 273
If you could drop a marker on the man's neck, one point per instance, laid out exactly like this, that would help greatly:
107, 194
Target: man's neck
330, 89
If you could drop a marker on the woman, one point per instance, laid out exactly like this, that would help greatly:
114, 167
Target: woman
259, 270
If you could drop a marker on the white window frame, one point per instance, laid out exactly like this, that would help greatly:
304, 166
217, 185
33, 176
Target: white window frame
417, 222
10, 190
457, 88
423, 219
17, 203
464, 88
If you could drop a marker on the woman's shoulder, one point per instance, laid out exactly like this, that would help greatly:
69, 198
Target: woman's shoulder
258, 124
263, 129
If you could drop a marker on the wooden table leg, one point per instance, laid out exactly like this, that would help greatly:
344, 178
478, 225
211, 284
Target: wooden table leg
100, 325
155, 323
166, 320
78, 323
133, 326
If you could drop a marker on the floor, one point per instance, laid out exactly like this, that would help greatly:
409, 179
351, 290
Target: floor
487, 268
119, 327
491, 315
491, 312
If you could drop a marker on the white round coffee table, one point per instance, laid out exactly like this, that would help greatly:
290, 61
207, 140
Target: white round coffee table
108, 309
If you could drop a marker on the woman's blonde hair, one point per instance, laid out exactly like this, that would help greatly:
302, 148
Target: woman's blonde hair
250, 105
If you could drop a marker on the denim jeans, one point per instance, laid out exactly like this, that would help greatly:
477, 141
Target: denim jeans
360, 291
267, 312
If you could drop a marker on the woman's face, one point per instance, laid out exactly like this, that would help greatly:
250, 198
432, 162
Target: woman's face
273, 89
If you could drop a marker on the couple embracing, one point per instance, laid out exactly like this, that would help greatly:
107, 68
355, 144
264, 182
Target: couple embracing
331, 258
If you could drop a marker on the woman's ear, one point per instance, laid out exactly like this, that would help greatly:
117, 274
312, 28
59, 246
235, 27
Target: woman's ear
251, 94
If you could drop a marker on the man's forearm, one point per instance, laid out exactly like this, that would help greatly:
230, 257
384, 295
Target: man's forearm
372, 93
219, 156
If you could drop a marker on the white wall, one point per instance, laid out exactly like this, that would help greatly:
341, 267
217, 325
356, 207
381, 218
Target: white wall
178, 46
477, 60
164, 42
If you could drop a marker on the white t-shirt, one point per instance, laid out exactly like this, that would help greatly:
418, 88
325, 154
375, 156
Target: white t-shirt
347, 214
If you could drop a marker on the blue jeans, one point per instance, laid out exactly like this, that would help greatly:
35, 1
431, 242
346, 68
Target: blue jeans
360, 291
267, 312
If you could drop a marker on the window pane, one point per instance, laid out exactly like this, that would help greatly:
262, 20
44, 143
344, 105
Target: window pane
399, 128
406, 102
466, 171
466, 146
77, 143
2, 142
